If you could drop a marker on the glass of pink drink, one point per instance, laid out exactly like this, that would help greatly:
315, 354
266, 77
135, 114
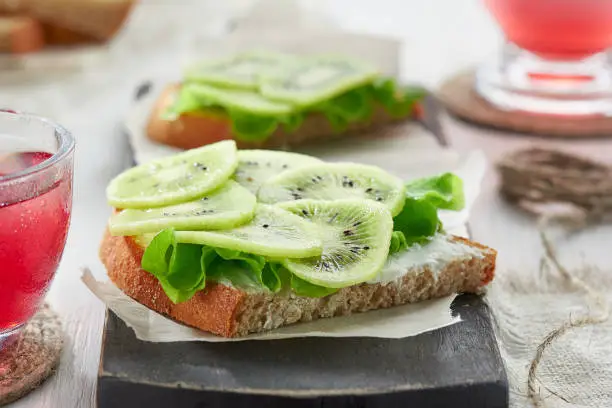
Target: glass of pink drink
556, 59
36, 162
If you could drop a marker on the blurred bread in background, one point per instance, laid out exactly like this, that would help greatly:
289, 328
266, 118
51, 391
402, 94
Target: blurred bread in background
99, 19
29, 25
56, 35
20, 34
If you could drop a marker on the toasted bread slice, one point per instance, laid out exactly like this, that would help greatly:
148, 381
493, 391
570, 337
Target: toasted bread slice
231, 312
99, 19
56, 35
20, 34
197, 129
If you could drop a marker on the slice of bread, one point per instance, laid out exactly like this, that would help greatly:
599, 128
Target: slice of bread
231, 312
196, 129
20, 34
100, 19
56, 35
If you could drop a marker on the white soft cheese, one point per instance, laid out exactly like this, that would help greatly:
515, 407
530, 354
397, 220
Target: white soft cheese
435, 255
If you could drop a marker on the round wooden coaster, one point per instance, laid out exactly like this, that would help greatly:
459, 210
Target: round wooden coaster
34, 356
459, 96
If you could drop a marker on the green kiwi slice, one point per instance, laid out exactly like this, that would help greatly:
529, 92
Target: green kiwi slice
333, 181
175, 179
241, 99
226, 207
257, 166
272, 232
316, 79
240, 71
355, 235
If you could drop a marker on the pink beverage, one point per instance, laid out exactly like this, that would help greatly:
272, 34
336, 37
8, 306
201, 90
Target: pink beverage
33, 232
35, 206
556, 29
555, 59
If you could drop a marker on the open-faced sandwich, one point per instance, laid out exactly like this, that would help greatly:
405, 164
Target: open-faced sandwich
241, 241
270, 100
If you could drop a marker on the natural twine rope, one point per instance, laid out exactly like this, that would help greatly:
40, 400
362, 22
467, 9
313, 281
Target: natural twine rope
536, 176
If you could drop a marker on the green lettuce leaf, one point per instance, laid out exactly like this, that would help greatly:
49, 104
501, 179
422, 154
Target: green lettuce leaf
444, 191
398, 101
182, 269
158, 253
185, 101
177, 266
418, 221
398, 242
185, 270
292, 122
302, 288
270, 277
246, 270
354, 105
252, 128
233, 273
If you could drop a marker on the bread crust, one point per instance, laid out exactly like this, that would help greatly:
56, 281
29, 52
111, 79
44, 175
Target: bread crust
193, 130
212, 309
230, 312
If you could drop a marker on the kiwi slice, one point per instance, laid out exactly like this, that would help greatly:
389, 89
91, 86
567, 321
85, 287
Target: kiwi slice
316, 79
226, 207
257, 166
272, 232
355, 236
332, 181
175, 179
241, 71
240, 99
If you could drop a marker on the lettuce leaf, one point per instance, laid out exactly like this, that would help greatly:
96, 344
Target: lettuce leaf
444, 191
256, 270
292, 122
398, 242
419, 221
302, 288
176, 266
398, 101
182, 269
252, 128
184, 102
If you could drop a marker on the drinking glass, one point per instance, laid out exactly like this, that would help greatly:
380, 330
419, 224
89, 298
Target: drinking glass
555, 59
36, 162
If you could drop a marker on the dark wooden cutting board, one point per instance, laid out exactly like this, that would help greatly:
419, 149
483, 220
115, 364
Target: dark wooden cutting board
458, 366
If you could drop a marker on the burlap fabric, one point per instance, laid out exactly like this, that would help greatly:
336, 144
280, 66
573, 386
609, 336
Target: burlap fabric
553, 327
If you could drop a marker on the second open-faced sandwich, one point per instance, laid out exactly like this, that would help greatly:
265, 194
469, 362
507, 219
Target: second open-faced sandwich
271, 100
241, 241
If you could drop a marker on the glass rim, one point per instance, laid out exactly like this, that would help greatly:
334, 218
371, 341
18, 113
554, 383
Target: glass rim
66, 147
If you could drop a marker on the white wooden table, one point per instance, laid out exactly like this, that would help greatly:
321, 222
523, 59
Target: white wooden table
440, 37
